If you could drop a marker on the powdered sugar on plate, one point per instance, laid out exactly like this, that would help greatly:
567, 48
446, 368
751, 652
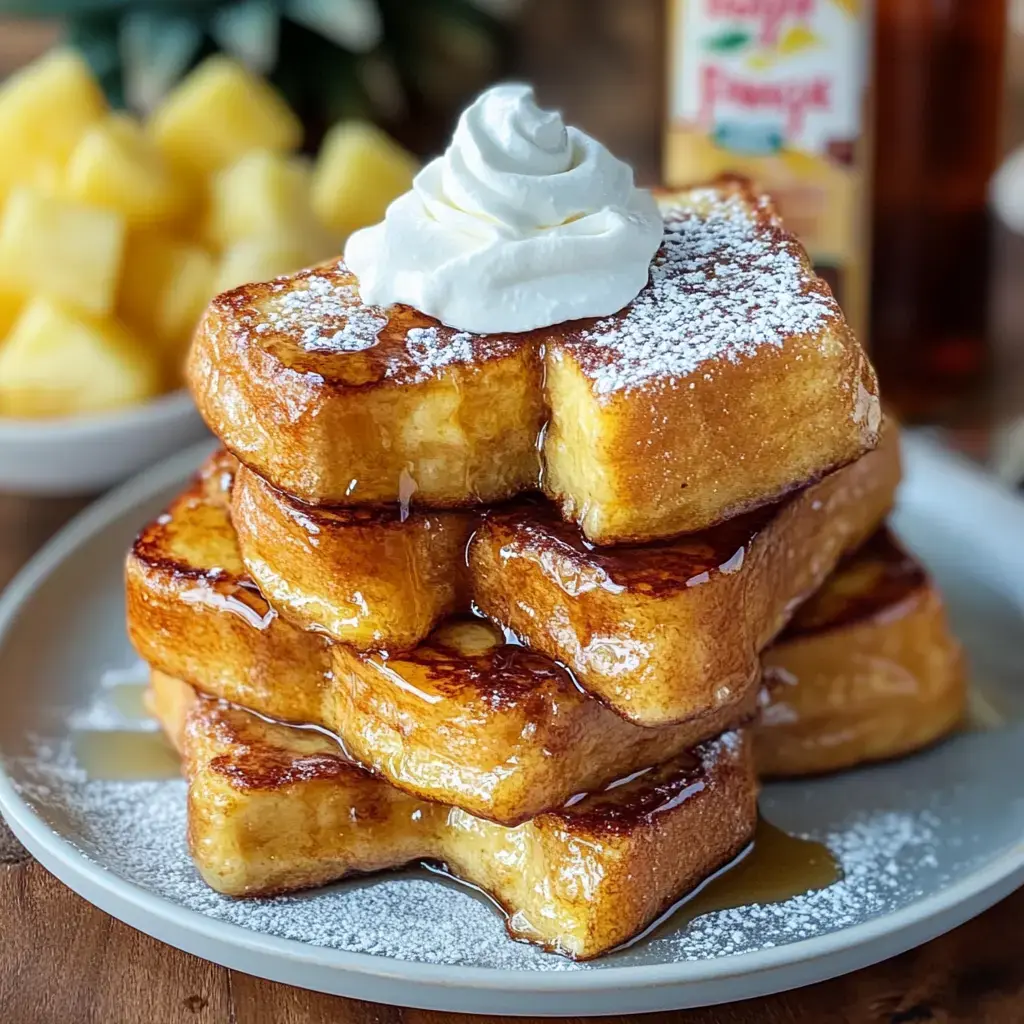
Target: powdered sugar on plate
726, 281
137, 830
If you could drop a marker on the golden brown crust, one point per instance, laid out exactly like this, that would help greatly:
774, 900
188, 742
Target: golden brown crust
500, 731
273, 809
365, 425
867, 671
496, 729
194, 612
669, 630
650, 630
334, 403
371, 577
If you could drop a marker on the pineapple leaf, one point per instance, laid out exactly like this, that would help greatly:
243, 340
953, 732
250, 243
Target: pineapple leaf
95, 36
248, 31
75, 9
157, 47
353, 24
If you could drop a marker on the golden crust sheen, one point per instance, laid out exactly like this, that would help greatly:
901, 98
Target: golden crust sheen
273, 809
363, 426
868, 670
652, 630
464, 718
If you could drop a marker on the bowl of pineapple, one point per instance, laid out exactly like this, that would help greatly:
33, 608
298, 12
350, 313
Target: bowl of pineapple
115, 234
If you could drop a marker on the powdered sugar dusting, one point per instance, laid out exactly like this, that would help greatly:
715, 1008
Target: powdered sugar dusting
431, 349
359, 333
726, 281
137, 829
323, 313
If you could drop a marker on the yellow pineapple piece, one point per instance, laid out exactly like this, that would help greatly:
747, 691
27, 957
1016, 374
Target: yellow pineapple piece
11, 305
61, 248
56, 362
259, 259
116, 166
264, 194
360, 170
164, 289
219, 112
44, 110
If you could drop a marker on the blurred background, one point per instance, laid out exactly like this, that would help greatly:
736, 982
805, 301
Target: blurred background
887, 132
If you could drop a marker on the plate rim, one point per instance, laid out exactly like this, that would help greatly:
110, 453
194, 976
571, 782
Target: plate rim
995, 879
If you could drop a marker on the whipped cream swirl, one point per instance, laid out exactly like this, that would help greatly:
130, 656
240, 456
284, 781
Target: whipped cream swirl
523, 223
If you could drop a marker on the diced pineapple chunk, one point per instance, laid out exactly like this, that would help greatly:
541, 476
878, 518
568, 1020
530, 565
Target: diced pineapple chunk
44, 110
164, 289
58, 363
61, 248
360, 170
262, 194
116, 166
219, 112
11, 305
259, 259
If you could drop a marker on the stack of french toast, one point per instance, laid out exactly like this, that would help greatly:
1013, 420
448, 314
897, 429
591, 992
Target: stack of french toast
543, 607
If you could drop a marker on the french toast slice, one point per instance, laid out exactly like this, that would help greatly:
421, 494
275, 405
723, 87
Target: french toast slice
273, 809
464, 719
495, 728
867, 669
340, 403
665, 631
729, 382
651, 630
373, 577
194, 611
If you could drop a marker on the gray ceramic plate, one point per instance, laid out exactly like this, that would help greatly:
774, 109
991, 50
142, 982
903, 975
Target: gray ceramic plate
925, 843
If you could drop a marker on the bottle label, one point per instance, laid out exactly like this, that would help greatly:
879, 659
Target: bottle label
774, 89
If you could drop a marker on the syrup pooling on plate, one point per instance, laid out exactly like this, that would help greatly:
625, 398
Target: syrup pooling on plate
775, 867
125, 754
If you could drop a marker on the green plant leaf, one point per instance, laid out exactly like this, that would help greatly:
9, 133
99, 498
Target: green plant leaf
353, 24
728, 41
248, 31
95, 36
74, 9
157, 48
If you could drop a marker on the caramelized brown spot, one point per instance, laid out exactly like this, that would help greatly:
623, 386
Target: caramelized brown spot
624, 804
533, 528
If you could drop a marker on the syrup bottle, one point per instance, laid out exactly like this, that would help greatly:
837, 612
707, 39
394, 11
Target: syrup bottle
938, 74
777, 90
876, 131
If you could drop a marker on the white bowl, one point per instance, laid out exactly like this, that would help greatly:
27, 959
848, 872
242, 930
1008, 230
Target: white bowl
86, 454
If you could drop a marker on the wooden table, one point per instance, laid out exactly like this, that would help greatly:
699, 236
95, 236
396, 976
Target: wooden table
63, 961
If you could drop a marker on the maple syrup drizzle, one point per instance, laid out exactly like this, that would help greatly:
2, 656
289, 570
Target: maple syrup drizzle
126, 755
129, 699
775, 867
